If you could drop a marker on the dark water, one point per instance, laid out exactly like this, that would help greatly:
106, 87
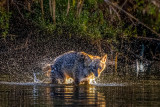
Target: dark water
99, 95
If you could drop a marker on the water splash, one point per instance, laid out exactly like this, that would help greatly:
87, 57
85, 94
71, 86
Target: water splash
109, 84
96, 82
20, 83
35, 79
92, 81
139, 67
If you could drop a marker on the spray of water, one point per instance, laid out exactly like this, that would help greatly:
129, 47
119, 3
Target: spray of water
92, 81
35, 78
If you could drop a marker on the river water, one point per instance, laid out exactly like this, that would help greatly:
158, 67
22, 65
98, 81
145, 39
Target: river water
110, 90
140, 94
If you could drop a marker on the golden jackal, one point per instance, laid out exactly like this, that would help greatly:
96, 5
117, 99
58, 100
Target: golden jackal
79, 66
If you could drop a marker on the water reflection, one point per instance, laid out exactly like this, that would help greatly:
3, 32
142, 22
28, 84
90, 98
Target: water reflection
14, 95
17, 96
77, 96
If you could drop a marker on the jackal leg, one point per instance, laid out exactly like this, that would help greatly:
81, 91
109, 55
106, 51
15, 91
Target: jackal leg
76, 81
55, 78
76, 77
54, 81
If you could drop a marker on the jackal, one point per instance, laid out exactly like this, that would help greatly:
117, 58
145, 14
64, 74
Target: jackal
79, 66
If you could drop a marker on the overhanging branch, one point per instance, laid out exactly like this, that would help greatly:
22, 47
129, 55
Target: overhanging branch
131, 16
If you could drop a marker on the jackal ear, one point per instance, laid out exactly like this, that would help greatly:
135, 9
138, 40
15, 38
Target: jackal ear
104, 58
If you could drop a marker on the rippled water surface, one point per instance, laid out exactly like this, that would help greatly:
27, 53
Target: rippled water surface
47, 95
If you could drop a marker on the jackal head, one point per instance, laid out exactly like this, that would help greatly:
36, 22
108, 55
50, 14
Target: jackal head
96, 64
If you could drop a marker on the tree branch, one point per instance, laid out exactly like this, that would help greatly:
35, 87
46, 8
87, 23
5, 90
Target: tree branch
156, 3
146, 38
131, 16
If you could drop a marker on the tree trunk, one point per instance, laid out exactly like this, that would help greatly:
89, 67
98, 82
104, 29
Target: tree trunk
28, 5
50, 7
42, 9
79, 7
68, 7
54, 11
116, 59
7, 5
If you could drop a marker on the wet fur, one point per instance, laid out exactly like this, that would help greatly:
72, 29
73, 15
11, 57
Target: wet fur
79, 66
